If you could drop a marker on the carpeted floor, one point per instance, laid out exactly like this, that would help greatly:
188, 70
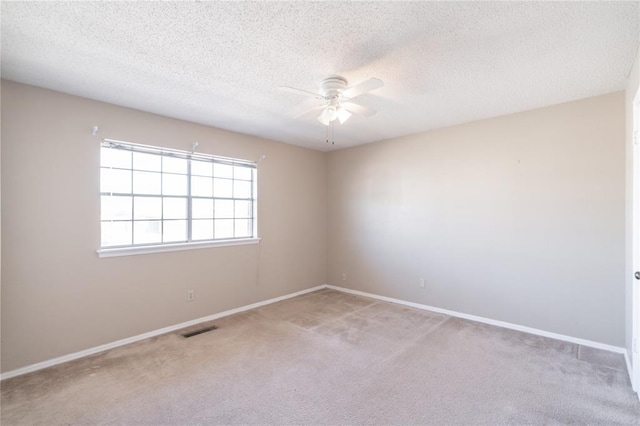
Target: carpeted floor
332, 358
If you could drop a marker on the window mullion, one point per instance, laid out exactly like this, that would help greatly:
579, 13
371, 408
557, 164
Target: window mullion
233, 197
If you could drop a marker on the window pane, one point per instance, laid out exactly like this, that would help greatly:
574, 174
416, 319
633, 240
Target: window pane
174, 231
201, 168
202, 208
174, 208
224, 209
222, 170
242, 173
174, 184
152, 196
224, 228
202, 229
115, 208
147, 208
243, 209
147, 231
243, 228
116, 234
241, 189
174, 165
222, 188
147, 161
201, 186
110, 157
146, 183
118, 181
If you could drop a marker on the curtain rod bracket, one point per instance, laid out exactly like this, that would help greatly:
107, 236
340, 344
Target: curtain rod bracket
94, 130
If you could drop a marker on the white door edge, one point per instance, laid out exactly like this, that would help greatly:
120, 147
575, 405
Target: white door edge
635, 250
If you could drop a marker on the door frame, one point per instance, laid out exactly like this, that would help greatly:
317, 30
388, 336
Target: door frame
635, 244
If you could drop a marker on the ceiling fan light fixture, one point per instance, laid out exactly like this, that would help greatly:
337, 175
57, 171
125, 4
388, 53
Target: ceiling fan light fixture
343, 115
328, 115
338, 99
323, 121
331, 113
324, 118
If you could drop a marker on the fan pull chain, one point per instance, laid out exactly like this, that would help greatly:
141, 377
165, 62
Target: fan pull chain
333, 132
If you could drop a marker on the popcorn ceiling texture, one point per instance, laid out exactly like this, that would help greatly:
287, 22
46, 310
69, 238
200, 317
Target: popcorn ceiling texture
220, 63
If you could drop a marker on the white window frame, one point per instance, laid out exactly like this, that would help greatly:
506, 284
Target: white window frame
189, 244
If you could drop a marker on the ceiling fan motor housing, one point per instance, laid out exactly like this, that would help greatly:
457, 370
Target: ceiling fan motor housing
333, 86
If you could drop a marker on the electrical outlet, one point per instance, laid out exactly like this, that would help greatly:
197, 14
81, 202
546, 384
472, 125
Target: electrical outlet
344, 276
423, 283
190, 295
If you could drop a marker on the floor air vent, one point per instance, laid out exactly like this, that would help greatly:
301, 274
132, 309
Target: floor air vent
199, 331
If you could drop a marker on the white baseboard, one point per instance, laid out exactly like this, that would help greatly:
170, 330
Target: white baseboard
128, 340
489, 321
122, 342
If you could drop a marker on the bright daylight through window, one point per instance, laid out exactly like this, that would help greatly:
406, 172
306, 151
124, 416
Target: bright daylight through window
156, 197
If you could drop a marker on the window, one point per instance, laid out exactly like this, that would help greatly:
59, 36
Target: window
159, 197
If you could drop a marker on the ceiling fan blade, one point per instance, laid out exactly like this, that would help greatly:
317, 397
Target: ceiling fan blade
301, 92
363, 87
306, 107
358, 109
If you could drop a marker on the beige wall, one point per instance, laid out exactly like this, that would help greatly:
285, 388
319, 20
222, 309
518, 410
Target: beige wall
518, 218
632, 88
58, 297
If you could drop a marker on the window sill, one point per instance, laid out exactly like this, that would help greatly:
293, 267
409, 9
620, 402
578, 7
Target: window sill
130, 251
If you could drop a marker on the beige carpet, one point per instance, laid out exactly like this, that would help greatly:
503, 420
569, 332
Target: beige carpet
332, 358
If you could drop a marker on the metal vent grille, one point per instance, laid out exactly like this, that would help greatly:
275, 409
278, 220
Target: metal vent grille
199, 331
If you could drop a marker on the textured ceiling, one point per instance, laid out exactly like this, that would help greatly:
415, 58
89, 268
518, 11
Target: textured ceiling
220, 63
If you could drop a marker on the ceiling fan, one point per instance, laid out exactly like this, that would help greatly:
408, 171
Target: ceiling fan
335, 99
